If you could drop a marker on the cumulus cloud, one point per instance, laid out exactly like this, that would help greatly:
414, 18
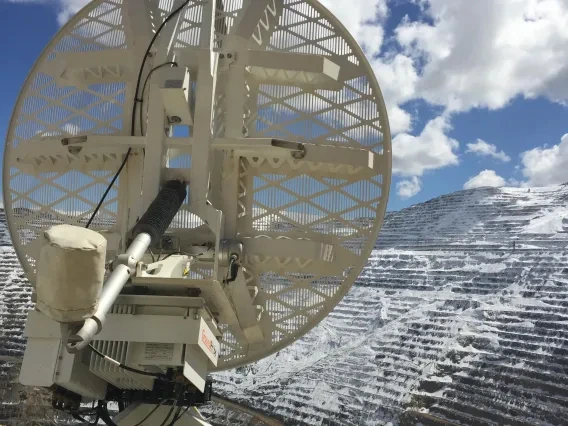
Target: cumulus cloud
396, 73
361, 18
484, 53
544, 165
432, 149
397, 77
65, 8
485, 149
487, 178
409, 188
68, 8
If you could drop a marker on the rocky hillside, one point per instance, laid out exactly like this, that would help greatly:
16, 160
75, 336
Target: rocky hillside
14, 304
461, 317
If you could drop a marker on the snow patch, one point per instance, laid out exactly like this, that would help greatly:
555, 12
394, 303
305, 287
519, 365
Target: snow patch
485, 267
549, 222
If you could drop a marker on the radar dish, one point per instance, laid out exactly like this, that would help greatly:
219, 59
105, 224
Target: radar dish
286, 134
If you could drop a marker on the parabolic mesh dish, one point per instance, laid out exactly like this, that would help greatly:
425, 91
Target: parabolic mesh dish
277, 199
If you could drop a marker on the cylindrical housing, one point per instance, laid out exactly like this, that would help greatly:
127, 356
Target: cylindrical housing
70, 273
149, 230
161, 212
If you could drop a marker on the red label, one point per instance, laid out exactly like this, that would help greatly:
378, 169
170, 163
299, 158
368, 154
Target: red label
208, 342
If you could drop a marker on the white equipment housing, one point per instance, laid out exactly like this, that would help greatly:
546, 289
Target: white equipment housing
273, 117
157, 334
72, 261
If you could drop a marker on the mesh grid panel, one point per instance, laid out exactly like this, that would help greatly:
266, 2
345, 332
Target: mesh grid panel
278, 199
291, 198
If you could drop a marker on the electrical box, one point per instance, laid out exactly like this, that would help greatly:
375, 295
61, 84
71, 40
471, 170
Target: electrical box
176, 95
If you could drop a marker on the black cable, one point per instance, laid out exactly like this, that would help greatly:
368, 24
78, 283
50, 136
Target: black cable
96, 421
125, 367
81, 419
177, 400
76, 416
141, 109
233, 270
187, 254
161, 27
179, 416
176, 417
150, 413
136, 100
104, 415
169, 414
172, 254
109, 187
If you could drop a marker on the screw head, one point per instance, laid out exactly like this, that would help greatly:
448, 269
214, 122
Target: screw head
176, 119
229, 55
222, 56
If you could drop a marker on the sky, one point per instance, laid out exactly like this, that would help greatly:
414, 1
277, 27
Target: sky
476, 91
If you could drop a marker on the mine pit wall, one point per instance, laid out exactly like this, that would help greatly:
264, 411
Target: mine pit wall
449, 323
460, 317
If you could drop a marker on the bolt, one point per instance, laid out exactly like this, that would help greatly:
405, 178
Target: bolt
300, 153
176, 119
229, 55
222, 56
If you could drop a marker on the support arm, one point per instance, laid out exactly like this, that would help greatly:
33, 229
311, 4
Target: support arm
147, 232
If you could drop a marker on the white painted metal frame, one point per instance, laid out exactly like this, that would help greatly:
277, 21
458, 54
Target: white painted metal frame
289, 152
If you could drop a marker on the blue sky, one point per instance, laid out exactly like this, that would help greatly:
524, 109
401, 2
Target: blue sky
476, 91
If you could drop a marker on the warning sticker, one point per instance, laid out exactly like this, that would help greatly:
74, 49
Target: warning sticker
159, 352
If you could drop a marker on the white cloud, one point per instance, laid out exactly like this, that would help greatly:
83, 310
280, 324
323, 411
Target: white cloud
68, 8
484, 179
409, 188
484, 53
399, 120
544, 166
362, 18
483, 148
397, 78
65, 8
396, 73
431, 150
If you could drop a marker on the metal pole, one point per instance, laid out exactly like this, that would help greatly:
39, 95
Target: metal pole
112, 288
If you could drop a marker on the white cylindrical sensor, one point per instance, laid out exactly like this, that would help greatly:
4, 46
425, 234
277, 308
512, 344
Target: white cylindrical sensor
70, 273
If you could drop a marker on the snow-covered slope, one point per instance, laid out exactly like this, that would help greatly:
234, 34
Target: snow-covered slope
14, 303
461, 314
